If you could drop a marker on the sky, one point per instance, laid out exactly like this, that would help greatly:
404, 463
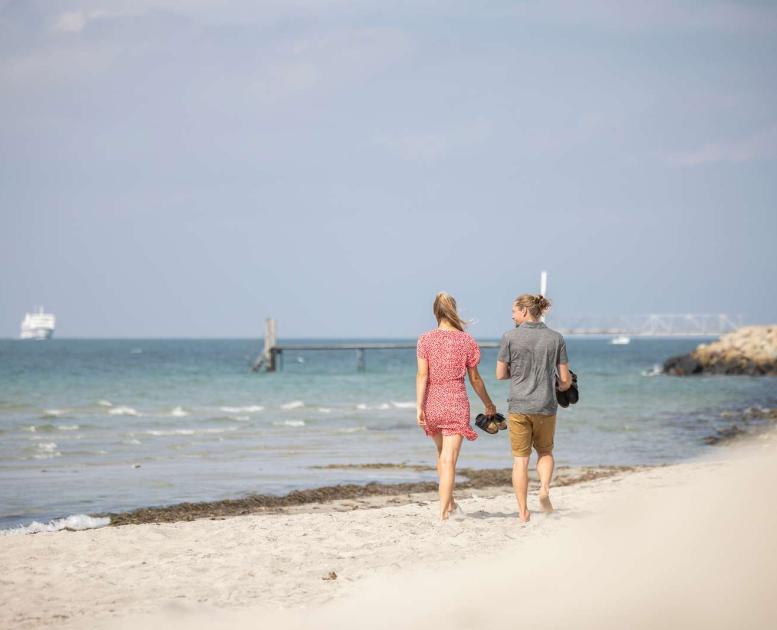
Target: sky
187, 169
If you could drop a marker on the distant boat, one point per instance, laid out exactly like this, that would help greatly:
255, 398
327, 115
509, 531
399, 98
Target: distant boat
620, 340
38, 325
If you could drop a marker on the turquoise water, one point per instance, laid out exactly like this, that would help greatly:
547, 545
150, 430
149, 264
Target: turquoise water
104, 425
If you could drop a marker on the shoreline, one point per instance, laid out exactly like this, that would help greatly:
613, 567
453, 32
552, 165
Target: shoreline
740, 425
346, 497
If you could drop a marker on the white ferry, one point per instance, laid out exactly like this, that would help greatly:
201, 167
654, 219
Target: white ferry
38, 325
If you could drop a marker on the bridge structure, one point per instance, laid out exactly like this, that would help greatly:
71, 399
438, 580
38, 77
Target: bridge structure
653, 325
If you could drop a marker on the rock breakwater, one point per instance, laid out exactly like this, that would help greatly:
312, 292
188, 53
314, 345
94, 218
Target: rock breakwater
751, 350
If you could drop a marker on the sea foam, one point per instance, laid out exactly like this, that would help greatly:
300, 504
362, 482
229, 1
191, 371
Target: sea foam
245, 409
75, 522
47, 450
296, 404
166, 432
123, 411
290, 423
179, 412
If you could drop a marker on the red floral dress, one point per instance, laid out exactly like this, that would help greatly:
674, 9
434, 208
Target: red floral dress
449, 353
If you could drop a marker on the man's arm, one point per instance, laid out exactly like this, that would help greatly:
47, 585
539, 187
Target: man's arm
564, 377
503, 359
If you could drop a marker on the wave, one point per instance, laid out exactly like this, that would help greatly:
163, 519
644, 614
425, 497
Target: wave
380, 427
295, 404
75, 522
167, 432
380, 407
179, 412
123, 411
46, 450
289, 423
227, 419
41, 428
68, 427
53, 413
403, 405
324, 410
656, 370
105, 403
245, 409
397, 426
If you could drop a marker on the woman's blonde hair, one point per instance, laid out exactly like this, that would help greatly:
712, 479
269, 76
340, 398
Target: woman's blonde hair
537, 304
445, 308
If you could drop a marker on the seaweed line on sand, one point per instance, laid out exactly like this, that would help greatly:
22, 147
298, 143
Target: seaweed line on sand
471, 479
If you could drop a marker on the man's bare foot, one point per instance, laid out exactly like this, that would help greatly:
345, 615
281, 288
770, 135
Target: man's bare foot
524, 516
545, 503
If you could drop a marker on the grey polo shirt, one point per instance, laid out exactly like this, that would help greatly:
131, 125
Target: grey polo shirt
532, 351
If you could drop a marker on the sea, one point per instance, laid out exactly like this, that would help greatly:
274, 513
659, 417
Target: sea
93, 426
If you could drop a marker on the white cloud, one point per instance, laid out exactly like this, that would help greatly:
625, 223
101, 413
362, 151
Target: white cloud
641, 15
71, 22
77, 21
758, 146
431, 146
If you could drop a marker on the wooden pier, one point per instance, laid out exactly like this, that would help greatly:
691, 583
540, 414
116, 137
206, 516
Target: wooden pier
271, 358
654, 325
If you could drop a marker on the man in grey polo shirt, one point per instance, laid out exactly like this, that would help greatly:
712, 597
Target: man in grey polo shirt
532, 356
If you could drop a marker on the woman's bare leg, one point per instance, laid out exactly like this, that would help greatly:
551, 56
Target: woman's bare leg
438, 443
449, 455
437, 437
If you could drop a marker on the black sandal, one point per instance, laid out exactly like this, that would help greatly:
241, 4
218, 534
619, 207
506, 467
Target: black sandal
487, 424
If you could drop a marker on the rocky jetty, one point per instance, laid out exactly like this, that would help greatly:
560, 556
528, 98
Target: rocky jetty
751, 350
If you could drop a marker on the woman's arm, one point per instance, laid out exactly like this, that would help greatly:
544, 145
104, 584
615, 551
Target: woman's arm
421, 378
480, 389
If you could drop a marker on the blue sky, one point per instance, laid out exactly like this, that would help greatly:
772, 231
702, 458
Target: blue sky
189, 168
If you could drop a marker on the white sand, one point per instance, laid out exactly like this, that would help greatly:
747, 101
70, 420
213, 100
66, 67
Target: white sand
691, 545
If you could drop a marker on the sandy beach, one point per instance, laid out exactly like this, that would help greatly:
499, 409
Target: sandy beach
662, 541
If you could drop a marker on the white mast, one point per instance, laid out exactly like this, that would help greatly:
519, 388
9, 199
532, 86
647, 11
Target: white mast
543, 288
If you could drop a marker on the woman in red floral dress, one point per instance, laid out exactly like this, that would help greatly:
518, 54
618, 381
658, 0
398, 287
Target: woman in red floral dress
445, 354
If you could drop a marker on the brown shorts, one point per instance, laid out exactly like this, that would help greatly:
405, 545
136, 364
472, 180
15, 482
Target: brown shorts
531, 429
